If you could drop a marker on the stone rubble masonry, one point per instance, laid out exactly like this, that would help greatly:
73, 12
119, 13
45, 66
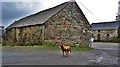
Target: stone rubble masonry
105, 35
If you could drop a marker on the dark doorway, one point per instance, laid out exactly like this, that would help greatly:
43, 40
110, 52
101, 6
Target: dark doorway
107, 37
98, 37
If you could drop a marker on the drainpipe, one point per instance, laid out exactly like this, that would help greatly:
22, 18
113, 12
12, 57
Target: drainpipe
91, 40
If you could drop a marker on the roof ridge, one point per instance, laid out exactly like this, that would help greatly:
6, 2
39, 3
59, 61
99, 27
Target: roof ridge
42, 11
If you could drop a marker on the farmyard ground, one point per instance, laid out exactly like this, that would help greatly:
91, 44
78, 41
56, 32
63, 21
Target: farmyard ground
37, 56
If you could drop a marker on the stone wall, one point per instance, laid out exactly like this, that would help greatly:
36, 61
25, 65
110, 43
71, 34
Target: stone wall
69, 26
119, 32
105, 35
30, 35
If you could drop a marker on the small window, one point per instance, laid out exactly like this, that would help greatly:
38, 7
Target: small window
107, 35
92, 35
18, 33
98, 30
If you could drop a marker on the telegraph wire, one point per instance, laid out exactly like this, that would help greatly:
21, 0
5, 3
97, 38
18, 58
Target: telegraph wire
89, 10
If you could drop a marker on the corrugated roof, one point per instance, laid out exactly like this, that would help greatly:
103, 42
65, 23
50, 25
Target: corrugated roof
106, 25
38, 18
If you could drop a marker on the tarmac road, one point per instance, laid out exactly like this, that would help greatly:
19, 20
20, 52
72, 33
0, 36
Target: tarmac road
29, 56
110, 48
37, 56
106, 46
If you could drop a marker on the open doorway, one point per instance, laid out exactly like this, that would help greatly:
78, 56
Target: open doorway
98, 37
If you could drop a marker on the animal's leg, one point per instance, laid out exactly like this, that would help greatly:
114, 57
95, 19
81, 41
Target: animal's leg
63, 53
70, 52
66, 53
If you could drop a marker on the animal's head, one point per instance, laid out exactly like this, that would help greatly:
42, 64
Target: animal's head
61, 46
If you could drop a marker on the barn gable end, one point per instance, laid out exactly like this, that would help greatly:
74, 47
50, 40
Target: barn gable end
67, 26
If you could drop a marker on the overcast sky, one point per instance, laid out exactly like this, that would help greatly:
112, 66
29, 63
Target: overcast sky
100, 10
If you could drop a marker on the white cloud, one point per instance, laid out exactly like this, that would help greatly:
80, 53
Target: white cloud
103, 10
29, 6
21, 0
23, 5
50, 1
0, 14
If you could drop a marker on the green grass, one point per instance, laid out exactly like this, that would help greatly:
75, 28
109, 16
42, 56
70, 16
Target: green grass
81, 49
55, 47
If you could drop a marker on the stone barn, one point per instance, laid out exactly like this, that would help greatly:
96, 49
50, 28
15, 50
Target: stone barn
64, 23
106, 31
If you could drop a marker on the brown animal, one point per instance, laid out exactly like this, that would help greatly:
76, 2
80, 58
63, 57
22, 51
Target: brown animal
65, 49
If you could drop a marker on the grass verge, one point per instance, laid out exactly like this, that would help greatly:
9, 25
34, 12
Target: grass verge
55, 47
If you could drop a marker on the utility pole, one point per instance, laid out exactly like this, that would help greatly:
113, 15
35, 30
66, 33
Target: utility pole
118, 14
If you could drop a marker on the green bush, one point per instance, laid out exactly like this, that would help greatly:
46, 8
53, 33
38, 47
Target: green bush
48, 43
116, 40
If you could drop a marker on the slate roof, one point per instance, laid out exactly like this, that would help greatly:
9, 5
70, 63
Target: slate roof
38, 18
106, 25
